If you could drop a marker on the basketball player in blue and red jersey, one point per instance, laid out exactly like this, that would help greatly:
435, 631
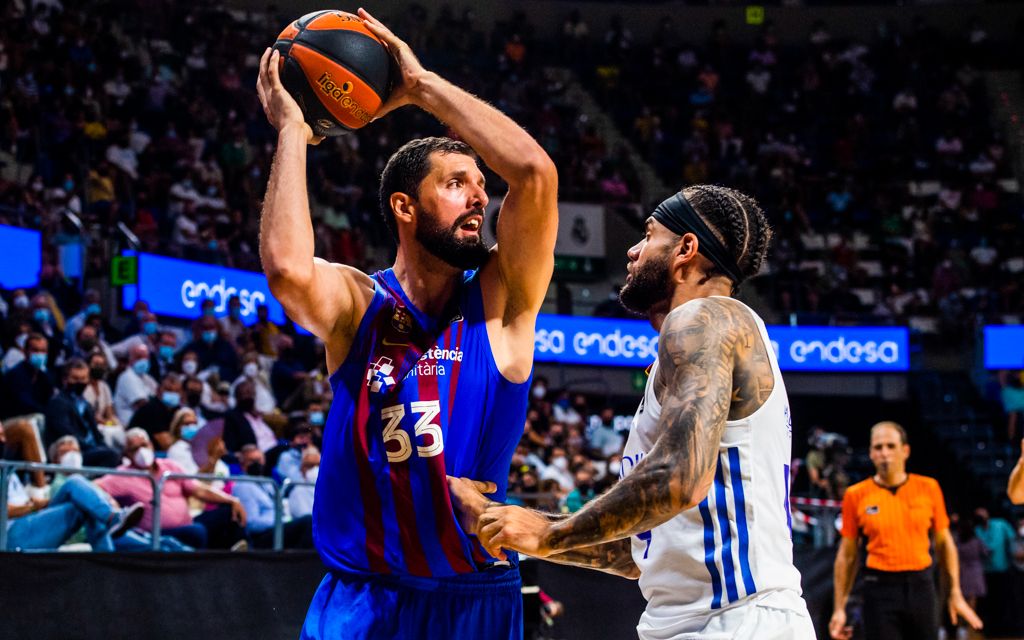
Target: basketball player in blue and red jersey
430, 359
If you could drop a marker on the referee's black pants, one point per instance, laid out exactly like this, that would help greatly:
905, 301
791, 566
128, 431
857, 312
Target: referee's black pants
900, 605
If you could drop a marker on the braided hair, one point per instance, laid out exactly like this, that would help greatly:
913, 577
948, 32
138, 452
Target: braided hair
737, 220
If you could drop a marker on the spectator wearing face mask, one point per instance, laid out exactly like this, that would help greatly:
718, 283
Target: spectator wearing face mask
244, 425
184, 426
582, 493
558, 470
69, 414
285, 460
90, 307
265, 401
87, 342
300, 500
258, 500
148, 334
217, 527
44, 525
29, 385
155, 416
49, 321
604, 440
162, 361
99, 396
213, 350
134, 386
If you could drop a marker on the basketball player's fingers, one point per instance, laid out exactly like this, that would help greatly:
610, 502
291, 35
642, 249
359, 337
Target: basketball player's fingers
393, 42
263, 80
275, 71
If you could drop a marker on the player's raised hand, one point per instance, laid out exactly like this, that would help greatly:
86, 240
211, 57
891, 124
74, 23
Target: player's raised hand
514, 528
279, 105
408, 65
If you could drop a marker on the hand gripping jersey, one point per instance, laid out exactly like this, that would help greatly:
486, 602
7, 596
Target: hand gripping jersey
417, 398
735, 547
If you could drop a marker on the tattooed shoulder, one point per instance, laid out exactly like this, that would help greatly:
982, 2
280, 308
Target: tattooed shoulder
686, 331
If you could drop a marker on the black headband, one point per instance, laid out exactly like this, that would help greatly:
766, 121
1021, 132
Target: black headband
680, 218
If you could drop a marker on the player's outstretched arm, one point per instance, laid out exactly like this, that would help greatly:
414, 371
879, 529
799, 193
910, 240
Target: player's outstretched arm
313, 292
528, 223
470, 503
697, 349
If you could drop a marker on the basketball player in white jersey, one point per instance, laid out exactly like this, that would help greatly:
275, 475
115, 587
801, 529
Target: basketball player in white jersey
701, 513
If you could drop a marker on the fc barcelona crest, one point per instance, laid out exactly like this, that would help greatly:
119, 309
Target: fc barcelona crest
401, 320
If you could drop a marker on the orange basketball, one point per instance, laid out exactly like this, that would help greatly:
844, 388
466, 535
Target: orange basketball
336, 69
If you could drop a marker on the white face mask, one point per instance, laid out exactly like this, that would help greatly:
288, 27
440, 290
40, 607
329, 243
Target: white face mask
614, 468
560, 463
251, 369
189, 367
143, 458
539, 392
312, 473
72, 459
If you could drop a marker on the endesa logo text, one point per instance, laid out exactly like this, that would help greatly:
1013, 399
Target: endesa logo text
841, 348
572, 340
177, 288
633, 343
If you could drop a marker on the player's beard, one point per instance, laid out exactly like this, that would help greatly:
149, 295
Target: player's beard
444, 243
649, 285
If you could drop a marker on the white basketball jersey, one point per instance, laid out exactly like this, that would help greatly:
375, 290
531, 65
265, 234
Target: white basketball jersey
735, 547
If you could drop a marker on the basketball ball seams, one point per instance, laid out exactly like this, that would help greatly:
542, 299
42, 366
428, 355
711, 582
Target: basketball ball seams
352, 106
313, 45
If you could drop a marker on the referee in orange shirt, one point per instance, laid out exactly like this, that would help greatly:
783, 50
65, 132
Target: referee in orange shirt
895, 511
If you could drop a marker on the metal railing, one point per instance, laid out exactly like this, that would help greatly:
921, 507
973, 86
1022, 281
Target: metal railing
280, 491
7, 467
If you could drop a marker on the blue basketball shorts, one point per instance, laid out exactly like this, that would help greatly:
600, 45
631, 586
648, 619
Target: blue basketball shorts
478, 606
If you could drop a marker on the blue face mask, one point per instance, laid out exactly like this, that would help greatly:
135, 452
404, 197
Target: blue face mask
149, 328
171, 398
141, 367
189, 431
316, 418
166, 353
93, 310
37, 360
209, 336
42, 316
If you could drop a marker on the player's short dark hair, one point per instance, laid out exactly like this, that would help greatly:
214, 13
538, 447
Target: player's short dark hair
406, 169
737, 219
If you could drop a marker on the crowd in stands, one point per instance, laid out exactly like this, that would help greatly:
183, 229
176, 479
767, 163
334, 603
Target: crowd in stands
879, 163
216, 397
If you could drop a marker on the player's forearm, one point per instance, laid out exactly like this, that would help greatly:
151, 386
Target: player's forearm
614, 557
503, 145
637, 503
286, 231
1015, 488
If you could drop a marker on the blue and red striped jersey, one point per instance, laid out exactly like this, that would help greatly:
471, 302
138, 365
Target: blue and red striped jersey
382, 503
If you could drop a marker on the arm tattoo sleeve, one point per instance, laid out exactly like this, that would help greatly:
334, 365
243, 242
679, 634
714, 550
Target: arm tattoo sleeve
613, 557
699, 344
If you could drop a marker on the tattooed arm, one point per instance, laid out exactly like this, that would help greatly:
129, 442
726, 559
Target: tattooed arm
699, 344
614, 557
